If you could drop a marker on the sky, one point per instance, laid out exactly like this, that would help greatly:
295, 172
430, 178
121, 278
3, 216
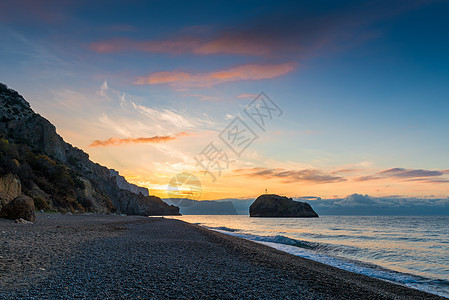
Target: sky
300, 98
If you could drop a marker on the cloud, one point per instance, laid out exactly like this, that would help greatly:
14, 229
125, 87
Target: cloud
165, 115
345, 170
365, 205
291, 176
205, 97
356, 200
292, 29
45, 11
115, 141
104, 88
125, 116
358, 204
176, 46
234, 44
407, 174
260, 37
209, 79
247, 96
308, 175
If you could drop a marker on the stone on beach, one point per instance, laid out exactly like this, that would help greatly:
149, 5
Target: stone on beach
21, 207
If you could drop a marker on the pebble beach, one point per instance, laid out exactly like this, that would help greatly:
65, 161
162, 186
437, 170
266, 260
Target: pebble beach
116, 257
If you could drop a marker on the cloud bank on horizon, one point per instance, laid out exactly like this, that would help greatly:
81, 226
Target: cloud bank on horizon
364, 205
357, 204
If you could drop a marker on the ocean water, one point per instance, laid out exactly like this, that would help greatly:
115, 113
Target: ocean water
408, 250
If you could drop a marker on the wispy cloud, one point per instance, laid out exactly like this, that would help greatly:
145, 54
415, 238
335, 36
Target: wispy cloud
407, 174
103, 89
175, 46
292, 176
209, 79
247, 96
166, 116
45, 11
115, 141
205, 97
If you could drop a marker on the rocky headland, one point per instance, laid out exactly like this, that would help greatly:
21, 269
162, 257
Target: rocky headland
36, 162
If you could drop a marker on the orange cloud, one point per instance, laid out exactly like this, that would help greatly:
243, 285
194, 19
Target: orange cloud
234, 45
115, 141
243, 72
164, 77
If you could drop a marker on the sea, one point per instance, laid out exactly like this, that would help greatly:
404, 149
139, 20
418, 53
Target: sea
407, 250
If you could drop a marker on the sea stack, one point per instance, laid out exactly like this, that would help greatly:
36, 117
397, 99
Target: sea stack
271, 205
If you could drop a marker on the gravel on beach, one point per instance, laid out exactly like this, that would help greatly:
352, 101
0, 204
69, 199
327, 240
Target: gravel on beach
108, 256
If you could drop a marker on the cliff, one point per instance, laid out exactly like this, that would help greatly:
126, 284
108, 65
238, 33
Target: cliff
57, 175
123, 184
270, 205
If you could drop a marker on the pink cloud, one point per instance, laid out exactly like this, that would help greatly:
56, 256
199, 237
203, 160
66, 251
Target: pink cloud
208, 79
177, 46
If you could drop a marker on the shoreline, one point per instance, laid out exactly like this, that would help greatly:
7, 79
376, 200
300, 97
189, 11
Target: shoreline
348, 264
325, 268
129, 256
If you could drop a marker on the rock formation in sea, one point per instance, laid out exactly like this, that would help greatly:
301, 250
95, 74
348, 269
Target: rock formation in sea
271, 205
37, 162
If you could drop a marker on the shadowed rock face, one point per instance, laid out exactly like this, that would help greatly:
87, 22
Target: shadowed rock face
271, 205
4, 199
10, 184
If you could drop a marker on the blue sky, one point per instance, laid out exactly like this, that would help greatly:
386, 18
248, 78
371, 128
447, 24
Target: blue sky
363, 86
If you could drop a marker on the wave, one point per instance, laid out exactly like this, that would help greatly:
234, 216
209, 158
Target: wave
279, 239
224, 228
434, 286
315, 252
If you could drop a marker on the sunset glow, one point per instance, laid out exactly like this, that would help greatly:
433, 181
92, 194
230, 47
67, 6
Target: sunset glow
363, 106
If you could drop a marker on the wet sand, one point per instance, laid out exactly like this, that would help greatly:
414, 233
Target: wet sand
106, 256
